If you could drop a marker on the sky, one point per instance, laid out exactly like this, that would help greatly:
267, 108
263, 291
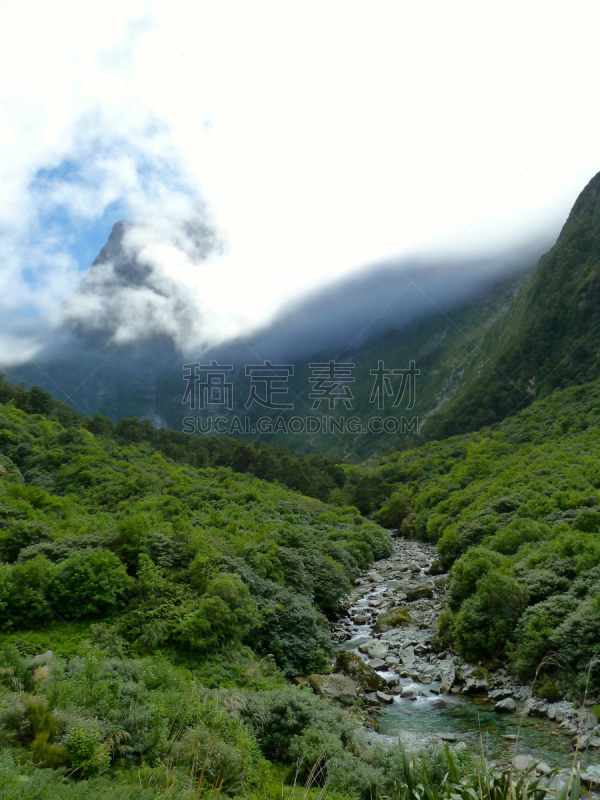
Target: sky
314, 138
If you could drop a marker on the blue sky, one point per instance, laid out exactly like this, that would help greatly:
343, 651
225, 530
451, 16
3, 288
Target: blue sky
319, 138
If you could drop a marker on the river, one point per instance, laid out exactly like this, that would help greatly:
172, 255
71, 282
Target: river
433, 696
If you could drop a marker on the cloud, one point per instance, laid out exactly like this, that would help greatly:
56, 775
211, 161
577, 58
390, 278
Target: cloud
130, 294
318, 138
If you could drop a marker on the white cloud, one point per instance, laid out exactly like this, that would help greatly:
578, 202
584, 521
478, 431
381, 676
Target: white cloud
317, 140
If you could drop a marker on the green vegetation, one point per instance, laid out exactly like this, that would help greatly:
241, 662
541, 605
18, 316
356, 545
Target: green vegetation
176, 600
515, 513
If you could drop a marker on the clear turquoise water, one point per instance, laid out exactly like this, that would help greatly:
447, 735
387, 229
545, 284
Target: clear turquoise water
476, 723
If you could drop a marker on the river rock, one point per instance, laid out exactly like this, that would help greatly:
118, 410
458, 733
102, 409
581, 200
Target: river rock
535, 708
436, 568
447, 737
423, 591
591, 776
393, 584
408, 657
385, 698
337, 687
365, 676
500, 694
477, 679
375, 648
396, 618
505, 706
524, 763
377, 663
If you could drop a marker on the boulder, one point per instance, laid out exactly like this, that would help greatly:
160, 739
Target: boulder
419, 592
374, 648
591, 776
377, 663
391, 585
506, 706
42, 660
536, 708
436, 568
408, 656
500, 694
477, 680
365, 676
396, 618
384, 698
337, 687
524, 763
447, 737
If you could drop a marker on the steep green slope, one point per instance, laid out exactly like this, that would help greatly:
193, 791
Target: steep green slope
514, 512
550, 336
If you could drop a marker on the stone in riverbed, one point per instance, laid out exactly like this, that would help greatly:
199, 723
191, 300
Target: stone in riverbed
337, 687
524, 763
436, 568
396, 618
447, 737
375, 648
385, 698
419, 592
506, 706
377, 663
365, 676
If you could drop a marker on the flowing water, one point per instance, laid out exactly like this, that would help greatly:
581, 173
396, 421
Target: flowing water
434, 713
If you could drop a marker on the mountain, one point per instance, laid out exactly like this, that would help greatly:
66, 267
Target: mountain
127, 330
550, 336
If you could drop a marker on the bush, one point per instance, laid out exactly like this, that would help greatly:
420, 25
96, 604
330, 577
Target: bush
468, 571
393, 513
294, 632
224, 615
281, 718
89, 583
487, 620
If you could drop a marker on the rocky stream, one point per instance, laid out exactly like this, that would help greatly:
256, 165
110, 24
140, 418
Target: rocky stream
391, 667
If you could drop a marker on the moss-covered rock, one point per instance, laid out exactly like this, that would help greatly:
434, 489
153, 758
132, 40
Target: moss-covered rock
419, 592
437, 568
352, 665
396, 618
337, 687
